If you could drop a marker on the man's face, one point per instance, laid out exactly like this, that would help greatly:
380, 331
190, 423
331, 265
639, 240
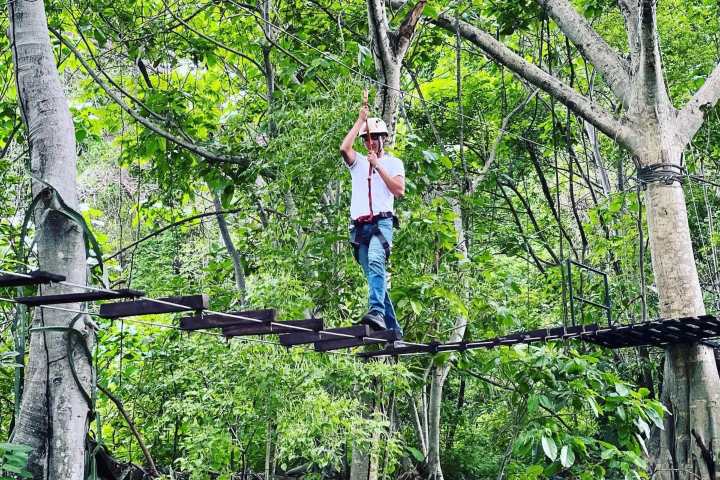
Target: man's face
374, 141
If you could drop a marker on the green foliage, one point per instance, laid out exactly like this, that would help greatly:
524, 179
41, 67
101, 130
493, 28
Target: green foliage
563, 399
13, 461
210, 409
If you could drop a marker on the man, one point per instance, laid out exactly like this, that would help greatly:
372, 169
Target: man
377, 179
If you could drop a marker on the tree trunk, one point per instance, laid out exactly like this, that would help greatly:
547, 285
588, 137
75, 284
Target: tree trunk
269, 450
232, 251
53, 417
434, 407
360, 464
691, 387
389, 48
440, 372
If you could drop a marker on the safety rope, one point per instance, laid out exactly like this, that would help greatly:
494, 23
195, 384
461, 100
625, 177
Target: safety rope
370, 150
668, 173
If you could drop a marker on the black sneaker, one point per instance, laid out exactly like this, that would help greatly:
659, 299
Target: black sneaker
375, 320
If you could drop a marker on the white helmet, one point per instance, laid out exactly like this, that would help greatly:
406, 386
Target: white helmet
376, 125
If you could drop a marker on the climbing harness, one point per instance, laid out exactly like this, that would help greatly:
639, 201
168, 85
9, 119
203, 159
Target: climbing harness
360, 236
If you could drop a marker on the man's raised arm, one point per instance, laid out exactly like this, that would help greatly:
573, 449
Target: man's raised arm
346, 147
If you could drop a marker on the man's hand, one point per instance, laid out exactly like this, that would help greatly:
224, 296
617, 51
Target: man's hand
373, 159
363, 115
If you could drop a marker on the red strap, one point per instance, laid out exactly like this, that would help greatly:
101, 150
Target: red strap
370, 169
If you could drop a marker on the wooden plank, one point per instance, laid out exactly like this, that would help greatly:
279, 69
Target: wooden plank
375, 337
288, 327
38, 277
213, 320
148, 307
556, 332
396, 351
306, 337
78, 297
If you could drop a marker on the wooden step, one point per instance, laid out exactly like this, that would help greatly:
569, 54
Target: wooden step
213, 320
38, 277
41, 300
375, 337
148, 307
306, 337
288, 327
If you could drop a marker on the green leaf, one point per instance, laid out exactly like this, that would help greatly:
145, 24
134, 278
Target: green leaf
429, 156
608, 453
594, 406
446, 162
533, 472
621, 389
621, 412
549, 447
431, 10
643, 426
533, 403
655, 418
567, 456
227, 195
416, 307
416, 454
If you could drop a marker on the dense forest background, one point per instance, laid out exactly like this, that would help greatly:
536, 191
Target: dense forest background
207, 135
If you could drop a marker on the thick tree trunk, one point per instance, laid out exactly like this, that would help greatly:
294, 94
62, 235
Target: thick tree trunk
360, 464
691, 387
364, 461
53, 415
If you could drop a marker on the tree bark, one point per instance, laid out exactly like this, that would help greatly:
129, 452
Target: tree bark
389, 48
53, 417
269, 449
691, 390
230, 246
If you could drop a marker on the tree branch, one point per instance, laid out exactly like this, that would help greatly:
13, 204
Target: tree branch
212, 40
9, 139
133, 429
578, 103
171, 225
407, 28
379, 30
650, 80
691, 117
521, 230
496, 144
590, 44
200, 151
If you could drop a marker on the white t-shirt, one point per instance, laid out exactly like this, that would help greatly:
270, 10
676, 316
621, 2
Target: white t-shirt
382, 198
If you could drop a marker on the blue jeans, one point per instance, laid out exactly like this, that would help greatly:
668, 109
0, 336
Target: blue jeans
372, 259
